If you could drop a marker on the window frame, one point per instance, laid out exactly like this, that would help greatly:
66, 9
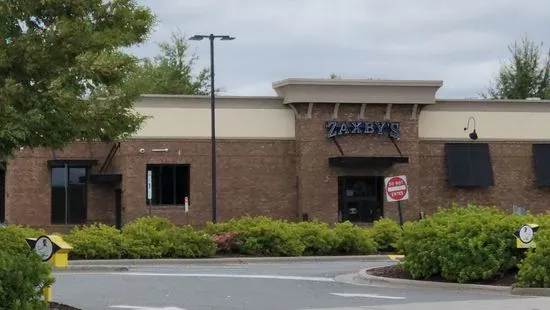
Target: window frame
66, 178
539, 171
476, 178
158, 202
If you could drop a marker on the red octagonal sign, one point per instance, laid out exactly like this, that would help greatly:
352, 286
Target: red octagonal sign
396, 188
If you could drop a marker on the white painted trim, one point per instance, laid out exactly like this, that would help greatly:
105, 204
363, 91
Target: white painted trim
203, 275
367, 296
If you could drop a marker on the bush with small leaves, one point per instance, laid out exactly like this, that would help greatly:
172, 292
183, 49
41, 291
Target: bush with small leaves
95, 241
22, 272
386, 233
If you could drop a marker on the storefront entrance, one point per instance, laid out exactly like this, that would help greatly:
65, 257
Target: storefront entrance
360, 198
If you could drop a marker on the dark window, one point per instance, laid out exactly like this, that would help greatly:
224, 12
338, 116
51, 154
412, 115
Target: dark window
2, 195
541, 153
68, 195
469, 165
170, 184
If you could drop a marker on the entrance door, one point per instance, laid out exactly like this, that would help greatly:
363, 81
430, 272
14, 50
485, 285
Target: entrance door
69, 195
360, 199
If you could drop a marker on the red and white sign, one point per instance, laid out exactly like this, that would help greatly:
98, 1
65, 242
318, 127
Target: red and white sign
396, 188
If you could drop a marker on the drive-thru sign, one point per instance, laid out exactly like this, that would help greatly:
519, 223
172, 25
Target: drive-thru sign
396, 188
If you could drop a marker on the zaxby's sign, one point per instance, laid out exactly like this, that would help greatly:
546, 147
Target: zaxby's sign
342, 128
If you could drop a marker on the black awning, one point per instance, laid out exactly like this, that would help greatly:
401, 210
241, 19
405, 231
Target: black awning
71, 162
469, 164
106, 178
541, 152
366, 162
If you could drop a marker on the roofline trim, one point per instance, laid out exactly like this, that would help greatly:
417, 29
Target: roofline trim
357, 82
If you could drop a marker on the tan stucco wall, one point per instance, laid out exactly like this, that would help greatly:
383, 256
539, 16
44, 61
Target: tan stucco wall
511, 121
236, 117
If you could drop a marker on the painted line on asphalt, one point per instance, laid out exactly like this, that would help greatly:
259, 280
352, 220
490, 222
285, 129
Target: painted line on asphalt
204, 275
367, 296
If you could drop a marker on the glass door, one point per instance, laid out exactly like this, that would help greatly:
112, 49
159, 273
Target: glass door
69, 195
360, 199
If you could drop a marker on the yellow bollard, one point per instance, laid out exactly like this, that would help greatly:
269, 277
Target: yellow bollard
47, 293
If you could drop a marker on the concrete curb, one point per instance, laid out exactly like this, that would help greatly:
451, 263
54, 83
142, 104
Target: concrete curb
365, 278
527, 291
230, 260
96, 268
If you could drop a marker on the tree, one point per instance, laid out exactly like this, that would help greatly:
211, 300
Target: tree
170, 72
334, 76
62, 71
526, 74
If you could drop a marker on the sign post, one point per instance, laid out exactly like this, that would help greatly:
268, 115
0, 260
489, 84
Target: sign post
149, 188
53, 249
186, 208
397, 189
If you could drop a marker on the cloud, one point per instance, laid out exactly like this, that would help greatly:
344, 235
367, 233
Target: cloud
461, 43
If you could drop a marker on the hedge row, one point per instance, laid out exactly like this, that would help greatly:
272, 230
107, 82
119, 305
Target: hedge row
461, 244
22, 273
157, 237
471, 243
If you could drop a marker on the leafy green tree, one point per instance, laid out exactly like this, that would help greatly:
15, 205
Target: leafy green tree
170, 72
62, 71
526, 74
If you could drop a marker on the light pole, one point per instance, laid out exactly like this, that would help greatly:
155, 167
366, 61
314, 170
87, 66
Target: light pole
212, 37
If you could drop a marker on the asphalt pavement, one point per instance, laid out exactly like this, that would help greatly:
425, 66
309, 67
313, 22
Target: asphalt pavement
269, 286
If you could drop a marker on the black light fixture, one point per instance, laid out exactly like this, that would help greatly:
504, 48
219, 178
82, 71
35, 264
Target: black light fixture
473, 134
212, 37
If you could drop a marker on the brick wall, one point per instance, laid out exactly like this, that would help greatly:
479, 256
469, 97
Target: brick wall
514, 179
28, 185
318, 183
254, 177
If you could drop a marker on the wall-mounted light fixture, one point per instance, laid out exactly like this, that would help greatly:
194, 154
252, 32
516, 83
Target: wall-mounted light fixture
473, 134
159, 150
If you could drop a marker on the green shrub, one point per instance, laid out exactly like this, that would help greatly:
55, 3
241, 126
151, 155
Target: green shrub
18, 235
534, 270
462, 244
22, 272
317, 237
271, 238
353, 239
262, 236
96, 241
147, 237
386, 234
187, 243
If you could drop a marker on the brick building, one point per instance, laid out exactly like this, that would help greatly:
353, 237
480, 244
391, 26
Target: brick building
319, 149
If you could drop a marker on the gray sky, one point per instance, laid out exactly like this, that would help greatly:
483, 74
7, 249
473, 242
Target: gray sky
459, 42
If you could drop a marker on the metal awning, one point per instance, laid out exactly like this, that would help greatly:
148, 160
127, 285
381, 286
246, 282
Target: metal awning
71, 162
366, 161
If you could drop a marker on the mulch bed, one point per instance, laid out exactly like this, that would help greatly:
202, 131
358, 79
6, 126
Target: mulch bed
395, 271
56, 306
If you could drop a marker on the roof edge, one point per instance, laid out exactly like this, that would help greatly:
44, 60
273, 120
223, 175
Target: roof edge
357, 82
208, 97
490, 101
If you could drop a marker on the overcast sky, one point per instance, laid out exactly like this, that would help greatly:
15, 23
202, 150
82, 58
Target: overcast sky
459, 42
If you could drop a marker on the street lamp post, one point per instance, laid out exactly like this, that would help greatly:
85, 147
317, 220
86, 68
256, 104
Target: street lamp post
212, 37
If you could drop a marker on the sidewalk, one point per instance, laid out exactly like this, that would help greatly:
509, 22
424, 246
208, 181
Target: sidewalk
232, 260
506, 304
